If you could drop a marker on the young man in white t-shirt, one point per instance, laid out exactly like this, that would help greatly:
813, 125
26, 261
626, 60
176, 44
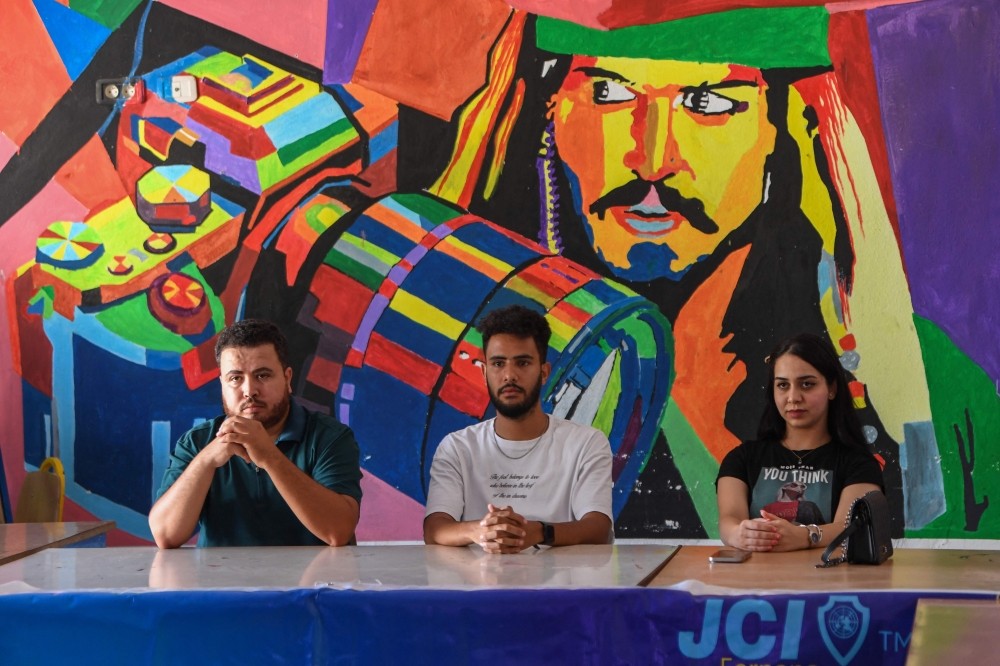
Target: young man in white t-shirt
523, 478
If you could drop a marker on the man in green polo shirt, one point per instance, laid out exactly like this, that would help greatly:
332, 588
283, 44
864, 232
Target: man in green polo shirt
269, 472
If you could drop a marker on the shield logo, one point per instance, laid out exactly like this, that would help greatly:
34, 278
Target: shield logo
843, 623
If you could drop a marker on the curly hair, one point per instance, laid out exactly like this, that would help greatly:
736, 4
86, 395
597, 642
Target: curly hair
519, 321
253, 333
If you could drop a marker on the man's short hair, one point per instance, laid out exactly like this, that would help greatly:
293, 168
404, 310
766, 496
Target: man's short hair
519, 321
253, 333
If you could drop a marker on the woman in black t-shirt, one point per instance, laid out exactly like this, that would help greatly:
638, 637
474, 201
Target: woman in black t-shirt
809, 461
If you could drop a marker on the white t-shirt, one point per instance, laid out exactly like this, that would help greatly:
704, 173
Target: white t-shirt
557, 478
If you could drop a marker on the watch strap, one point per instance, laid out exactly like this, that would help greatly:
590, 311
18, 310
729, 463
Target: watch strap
548, 534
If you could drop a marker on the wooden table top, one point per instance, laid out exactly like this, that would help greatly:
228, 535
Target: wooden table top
955, 632
19, 540
908, 569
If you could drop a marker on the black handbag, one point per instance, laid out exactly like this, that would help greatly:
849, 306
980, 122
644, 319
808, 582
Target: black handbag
867, 537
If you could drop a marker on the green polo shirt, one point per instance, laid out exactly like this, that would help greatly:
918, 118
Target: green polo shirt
243, 507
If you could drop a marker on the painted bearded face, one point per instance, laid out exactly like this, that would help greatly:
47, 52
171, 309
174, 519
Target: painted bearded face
665, 158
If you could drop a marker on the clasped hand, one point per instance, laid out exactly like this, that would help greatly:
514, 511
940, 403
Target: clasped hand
770, 533
246, 438
501, 531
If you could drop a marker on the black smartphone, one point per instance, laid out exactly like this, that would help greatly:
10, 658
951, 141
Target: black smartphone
729, 555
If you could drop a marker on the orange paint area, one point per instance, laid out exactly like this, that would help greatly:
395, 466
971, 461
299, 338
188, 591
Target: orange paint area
706, 375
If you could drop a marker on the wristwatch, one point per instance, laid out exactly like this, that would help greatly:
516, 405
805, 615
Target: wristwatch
548, 534
815, 534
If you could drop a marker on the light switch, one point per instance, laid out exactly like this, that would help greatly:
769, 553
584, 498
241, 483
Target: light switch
184, 88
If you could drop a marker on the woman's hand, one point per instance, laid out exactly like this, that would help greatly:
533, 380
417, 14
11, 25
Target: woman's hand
755, 535
787, 536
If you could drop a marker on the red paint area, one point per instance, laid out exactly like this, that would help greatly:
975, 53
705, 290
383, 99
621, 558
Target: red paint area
199, 364
402, 364
342, 301
325, 374
850, 52
467, 367
465, 397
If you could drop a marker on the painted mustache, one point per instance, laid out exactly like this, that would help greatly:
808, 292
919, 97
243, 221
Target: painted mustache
634, 193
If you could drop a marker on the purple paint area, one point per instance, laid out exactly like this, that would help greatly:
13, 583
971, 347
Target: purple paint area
938, 69
347, 24
219, 159
375, 310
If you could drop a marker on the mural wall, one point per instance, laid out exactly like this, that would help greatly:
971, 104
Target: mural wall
674, 190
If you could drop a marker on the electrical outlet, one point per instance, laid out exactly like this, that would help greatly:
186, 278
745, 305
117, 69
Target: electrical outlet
111, 91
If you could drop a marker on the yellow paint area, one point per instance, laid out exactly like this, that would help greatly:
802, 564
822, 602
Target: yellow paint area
426, 314
530, 291
717, 159
816, 202
470, 256
879, 310
559, 328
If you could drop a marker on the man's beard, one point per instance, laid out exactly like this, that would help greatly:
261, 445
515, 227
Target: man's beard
268, 418
518, 409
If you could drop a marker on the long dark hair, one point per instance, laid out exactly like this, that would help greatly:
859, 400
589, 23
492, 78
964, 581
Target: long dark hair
842, 421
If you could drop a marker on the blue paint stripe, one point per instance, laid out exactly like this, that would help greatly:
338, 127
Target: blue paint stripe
160, 437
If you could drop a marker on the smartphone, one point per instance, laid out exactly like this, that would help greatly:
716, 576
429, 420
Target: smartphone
729, 555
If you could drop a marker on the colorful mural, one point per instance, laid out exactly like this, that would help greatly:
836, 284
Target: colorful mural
675, 186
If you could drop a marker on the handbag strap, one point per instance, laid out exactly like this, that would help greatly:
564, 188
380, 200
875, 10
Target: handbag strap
841, 538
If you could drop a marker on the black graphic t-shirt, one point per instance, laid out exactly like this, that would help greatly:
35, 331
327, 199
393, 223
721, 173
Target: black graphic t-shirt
804, 491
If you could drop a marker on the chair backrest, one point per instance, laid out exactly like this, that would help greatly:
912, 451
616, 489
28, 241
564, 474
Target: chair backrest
41, 498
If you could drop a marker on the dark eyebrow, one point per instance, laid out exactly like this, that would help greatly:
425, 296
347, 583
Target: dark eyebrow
802, 377
263, 368
725, 84
603, 73
514, 358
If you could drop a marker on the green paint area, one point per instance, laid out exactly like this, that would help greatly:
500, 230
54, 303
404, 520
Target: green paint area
474, 337
957, 384
368, 247
109, 13
215, 66
336, 134
279, 166
606, 411
643, 338
558, 343
426, 207
121, 229
46, 295
131, 319
322, 216
354, 269
762, 38
586, 301
696, 465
